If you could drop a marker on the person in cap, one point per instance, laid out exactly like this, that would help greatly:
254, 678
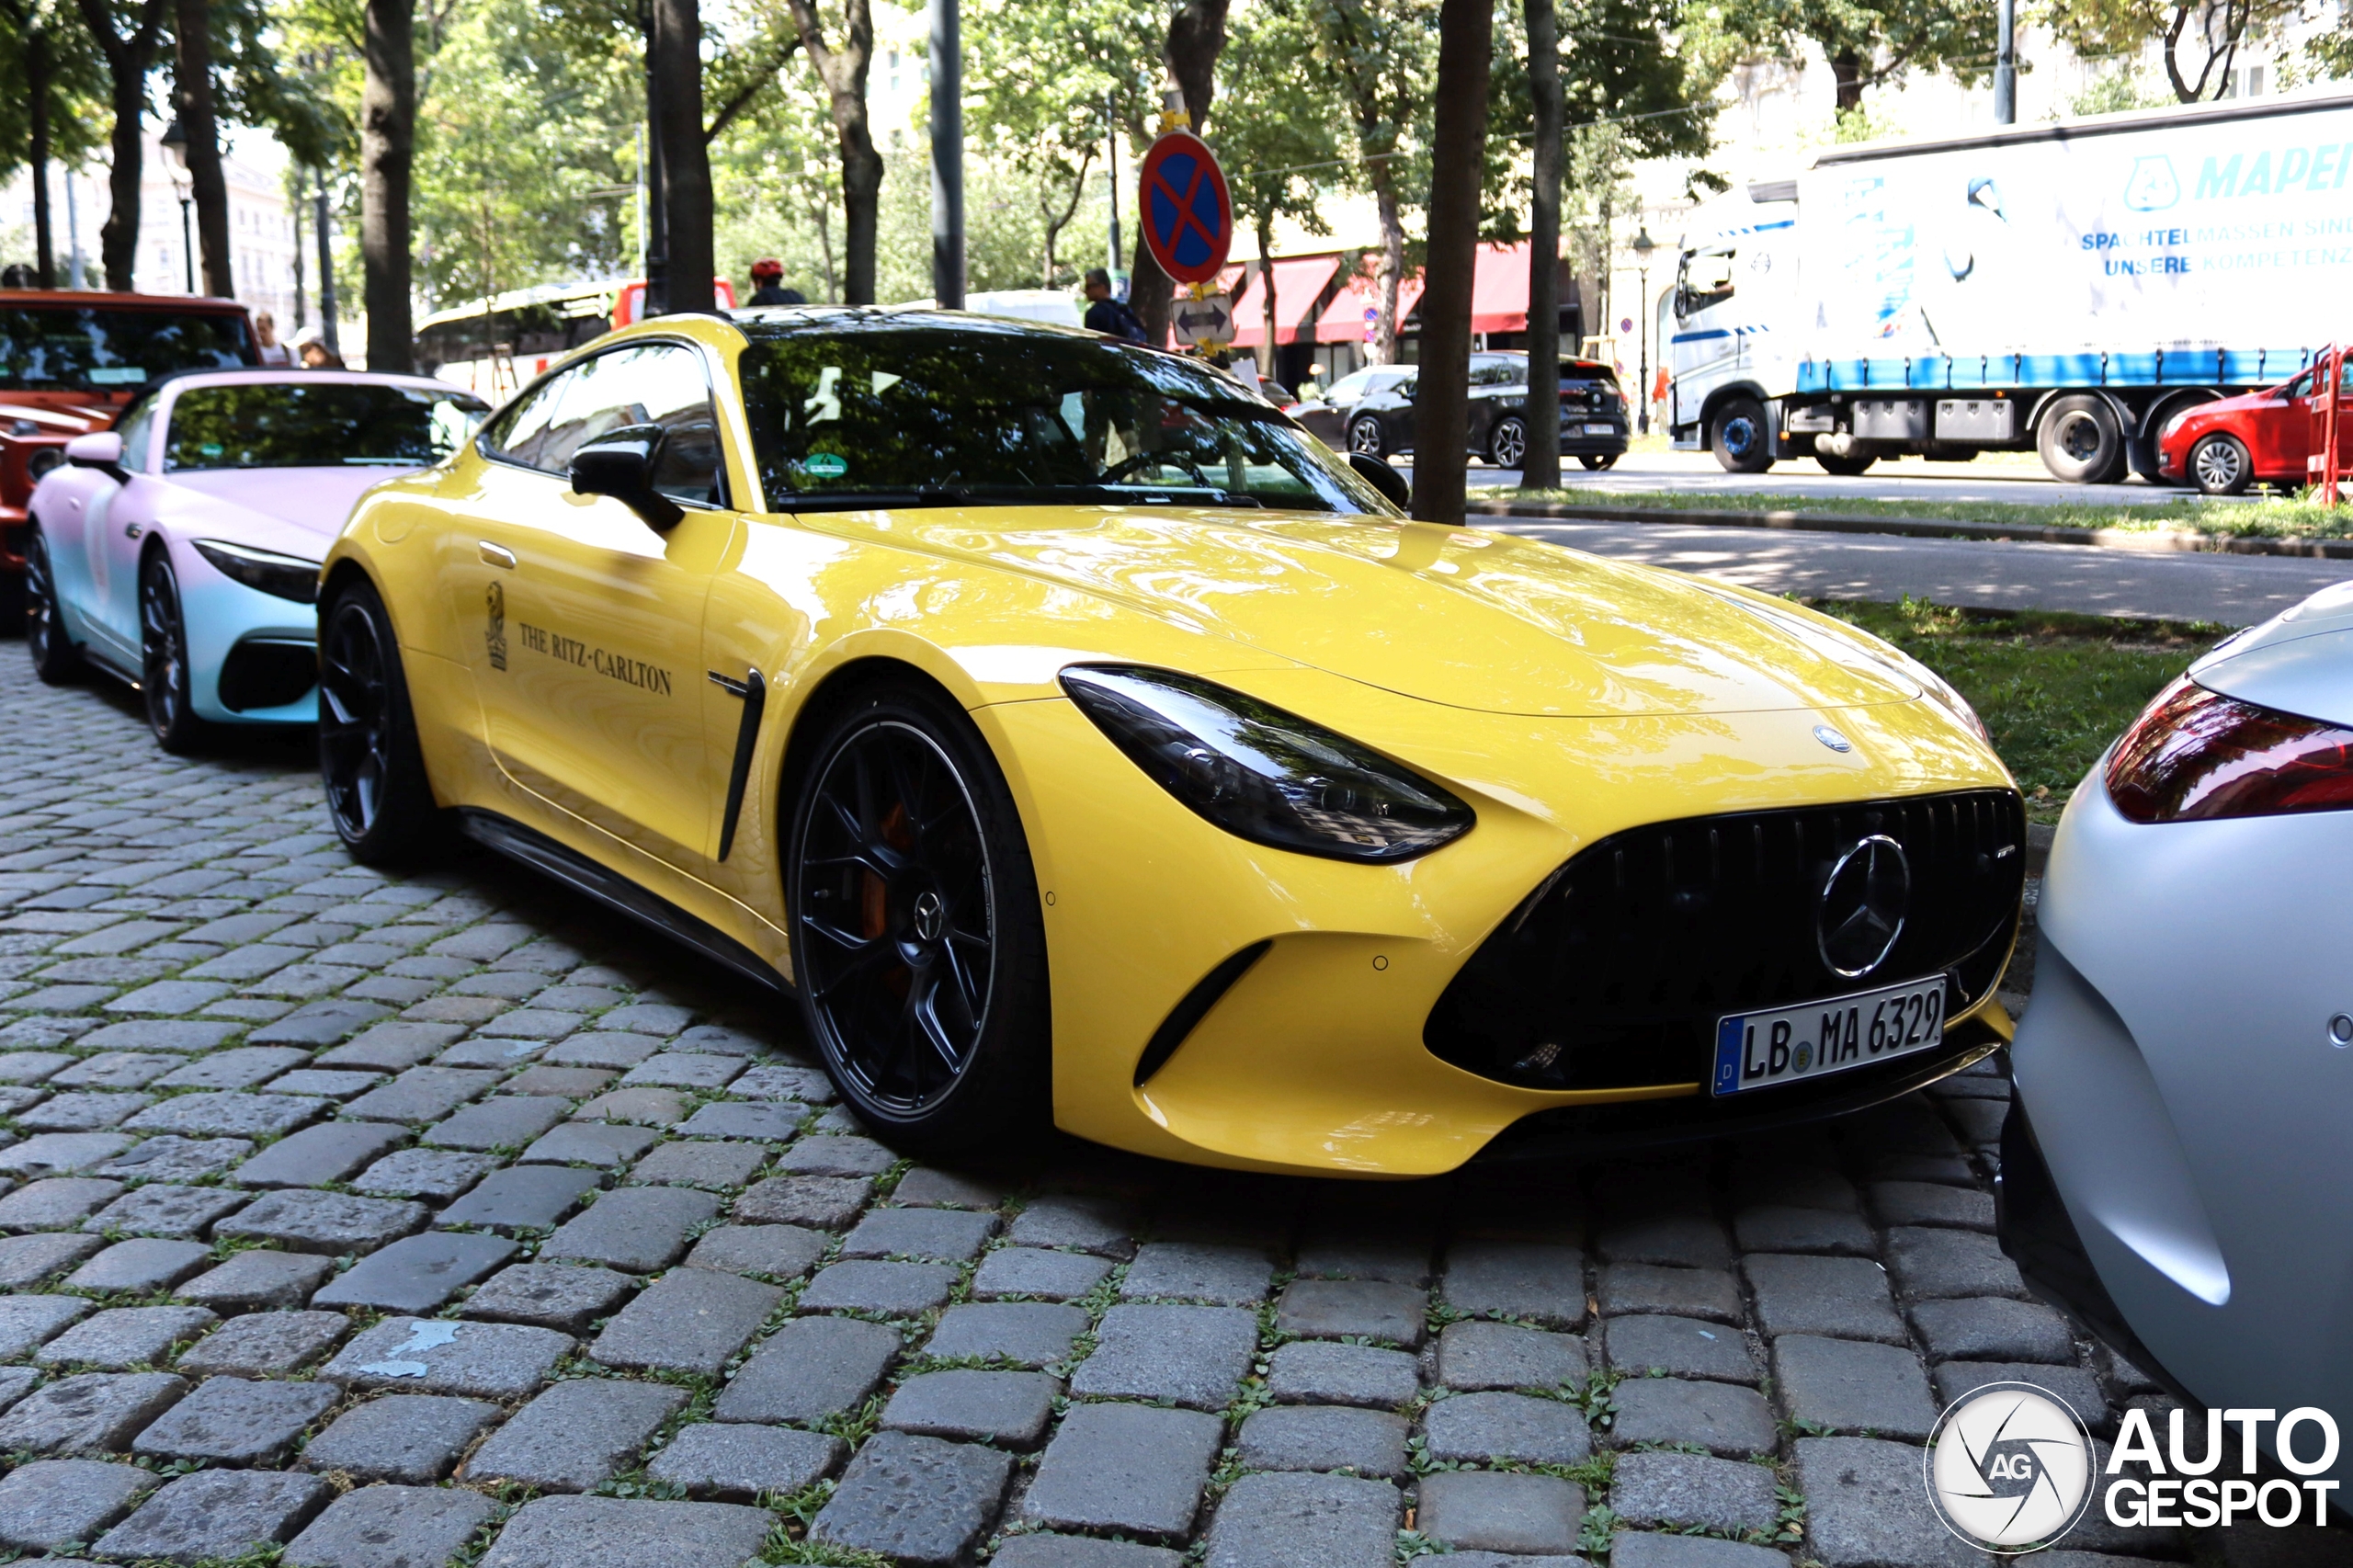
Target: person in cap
768, 285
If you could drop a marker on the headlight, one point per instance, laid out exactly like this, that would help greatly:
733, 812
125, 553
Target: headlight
2166, 432
288, 576
41, 460
1265, 775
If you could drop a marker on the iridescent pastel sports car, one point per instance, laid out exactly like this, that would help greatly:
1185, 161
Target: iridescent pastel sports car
180, 549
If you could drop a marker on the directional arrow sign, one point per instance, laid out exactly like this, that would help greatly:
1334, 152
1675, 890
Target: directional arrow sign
1206, 320
1187, 212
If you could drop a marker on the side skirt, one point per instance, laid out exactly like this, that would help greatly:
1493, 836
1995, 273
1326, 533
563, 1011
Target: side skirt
577, 872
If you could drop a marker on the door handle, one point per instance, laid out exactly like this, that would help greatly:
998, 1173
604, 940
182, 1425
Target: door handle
132, 530
497, 556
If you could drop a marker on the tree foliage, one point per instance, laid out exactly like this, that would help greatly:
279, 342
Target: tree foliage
1866, 41
2201, 38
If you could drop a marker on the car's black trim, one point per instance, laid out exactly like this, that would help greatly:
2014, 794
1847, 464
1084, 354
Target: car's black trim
268, 672
755, 693
1580, 1132
1187, 1015
609, 888
2036, 1231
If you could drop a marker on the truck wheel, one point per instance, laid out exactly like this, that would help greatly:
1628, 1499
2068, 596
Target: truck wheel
2081, 441
1739, 437
1846, 468
2220, 465
1597, 460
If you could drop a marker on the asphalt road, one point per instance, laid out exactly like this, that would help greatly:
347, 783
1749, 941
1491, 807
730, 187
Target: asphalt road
2016, 478
2234, 590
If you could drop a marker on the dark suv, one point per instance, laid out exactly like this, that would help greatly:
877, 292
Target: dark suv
1372, 411
69, 361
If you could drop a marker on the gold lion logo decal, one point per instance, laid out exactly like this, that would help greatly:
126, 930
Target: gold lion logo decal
495, 635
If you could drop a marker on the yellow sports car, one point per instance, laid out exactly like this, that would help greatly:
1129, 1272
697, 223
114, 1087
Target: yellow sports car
1071, 735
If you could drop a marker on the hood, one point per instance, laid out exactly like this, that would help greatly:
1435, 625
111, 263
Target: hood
315, 500
55, 414
2298, 662
1470, 620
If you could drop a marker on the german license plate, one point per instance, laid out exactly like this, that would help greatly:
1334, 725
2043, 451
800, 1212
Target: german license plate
1756, 1050
1601, 429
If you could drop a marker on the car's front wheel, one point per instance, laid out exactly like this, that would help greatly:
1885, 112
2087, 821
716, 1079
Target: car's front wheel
377, 795
1508, 442
1366, 436
2220, 465
163, 679
917, 942
55, 659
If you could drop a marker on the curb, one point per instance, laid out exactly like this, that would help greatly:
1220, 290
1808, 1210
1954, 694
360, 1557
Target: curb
2165, 542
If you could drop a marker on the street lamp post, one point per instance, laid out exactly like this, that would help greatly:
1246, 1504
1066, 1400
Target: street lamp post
176, 151
1644, 245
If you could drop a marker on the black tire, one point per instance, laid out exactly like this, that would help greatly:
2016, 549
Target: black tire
14, 602
2220, 465
1367, 435
1598, 460
2081, 441
1508, 442
165, 681
1740, 437
377, 795
917, 943
1844, 468
55, 659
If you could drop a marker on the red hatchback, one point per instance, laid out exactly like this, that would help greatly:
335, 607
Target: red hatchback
2260, 437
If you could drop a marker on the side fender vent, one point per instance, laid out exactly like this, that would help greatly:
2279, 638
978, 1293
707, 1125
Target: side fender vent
1184, 1017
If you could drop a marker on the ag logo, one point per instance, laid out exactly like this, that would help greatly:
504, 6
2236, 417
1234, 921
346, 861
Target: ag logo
2151, 187
496, 634
2009, 1468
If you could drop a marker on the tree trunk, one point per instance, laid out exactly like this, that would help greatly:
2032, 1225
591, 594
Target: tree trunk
1267, 287
1542, 469
1457, 154
686, 159
842, 71
1383, 347
192, 95
36, 70
1847, 70
1196, 37
128, 62
387, 146
1054, 226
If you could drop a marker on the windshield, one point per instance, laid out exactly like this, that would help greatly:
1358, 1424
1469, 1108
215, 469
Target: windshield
78, 349
896, 413
323, 425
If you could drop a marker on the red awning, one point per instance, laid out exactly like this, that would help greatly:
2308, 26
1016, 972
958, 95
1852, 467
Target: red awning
1299, 283
1344, 320
1499, 288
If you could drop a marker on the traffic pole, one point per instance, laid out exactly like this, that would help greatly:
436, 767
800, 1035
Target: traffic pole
947, 50
2005, 67
2330, 460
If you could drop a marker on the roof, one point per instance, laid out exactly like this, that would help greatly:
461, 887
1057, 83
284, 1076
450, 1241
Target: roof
267, 373
120, 301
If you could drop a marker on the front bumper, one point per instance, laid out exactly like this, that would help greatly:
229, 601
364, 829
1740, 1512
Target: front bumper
243, 645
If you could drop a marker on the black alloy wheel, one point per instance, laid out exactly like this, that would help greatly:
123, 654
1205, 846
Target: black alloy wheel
916, 938
163, 679
1508, 442
55, 659
1366, 436
377, 795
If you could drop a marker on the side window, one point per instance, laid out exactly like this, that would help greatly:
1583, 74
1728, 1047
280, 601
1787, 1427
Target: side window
2301, 387
137, 430
658, 383
1705, 281
1496, 372
520, 431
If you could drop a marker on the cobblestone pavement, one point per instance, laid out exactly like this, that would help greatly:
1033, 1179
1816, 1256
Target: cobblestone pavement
410, 1221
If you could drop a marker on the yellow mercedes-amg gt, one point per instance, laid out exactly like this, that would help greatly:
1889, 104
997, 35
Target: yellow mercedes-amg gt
1073, 735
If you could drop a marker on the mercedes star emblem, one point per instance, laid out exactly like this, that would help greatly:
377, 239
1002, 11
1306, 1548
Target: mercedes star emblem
1860, 911
1833, 739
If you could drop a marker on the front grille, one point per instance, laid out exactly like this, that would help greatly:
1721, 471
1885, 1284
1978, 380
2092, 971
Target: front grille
1613, 972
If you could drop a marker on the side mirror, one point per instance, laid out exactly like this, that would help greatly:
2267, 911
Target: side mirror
101, 450
620, 463
1376, 473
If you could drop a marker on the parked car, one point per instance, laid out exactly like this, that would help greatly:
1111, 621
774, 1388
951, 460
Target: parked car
2169, 1163
2262, 438
179, 551
68, 362
1372, 411
1041, 710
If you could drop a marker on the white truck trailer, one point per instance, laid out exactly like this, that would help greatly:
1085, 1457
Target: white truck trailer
2062, 288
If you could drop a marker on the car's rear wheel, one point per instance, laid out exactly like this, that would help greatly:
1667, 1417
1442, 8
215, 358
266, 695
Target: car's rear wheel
1598, 460
377, 795
163, 679
55, 659
1366, 436
917, 941
1739, 437
2220, 465
1508, 442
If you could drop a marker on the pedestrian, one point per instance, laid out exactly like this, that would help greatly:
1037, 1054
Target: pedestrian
16, 275
315, 355
768, 285
265, 331
1107, 315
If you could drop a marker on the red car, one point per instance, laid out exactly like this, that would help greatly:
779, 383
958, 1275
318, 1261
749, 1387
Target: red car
2261, 438
68, 363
